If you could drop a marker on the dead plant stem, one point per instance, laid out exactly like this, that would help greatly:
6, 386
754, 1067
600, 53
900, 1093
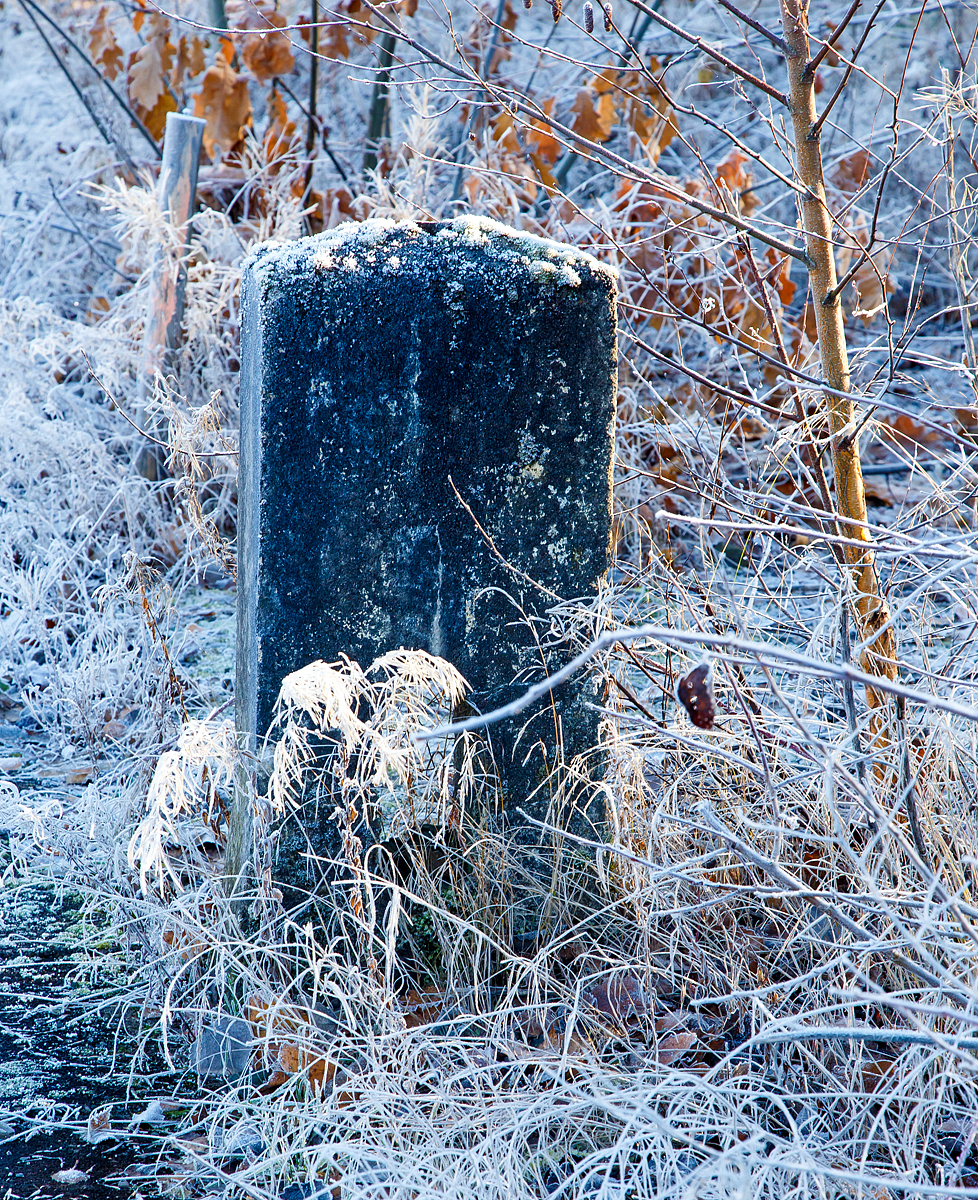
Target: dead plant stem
139, 125
311, 122
958, 238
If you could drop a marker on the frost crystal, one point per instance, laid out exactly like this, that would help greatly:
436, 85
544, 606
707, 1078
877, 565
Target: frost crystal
541, 268
335, 248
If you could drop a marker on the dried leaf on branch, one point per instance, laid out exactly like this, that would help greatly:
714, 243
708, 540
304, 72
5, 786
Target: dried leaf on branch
106, 52
151, 77
150, 65
223, 101
190, 59
595, 114
340, 22
262, 47
526, 145
644, 105
281, 138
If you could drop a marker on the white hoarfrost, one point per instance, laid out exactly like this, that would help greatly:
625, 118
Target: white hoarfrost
370, 716
338, 248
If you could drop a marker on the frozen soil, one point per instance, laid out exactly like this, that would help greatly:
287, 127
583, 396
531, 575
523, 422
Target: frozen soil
58, 1058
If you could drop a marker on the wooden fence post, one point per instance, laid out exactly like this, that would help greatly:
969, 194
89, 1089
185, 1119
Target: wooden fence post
164, 316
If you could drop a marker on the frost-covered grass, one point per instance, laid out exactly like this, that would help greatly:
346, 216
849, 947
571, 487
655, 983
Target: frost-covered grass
763, 983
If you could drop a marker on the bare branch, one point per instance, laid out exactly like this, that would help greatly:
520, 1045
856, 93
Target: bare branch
850, 67
763, 653
712, 52
778, 42
840, 29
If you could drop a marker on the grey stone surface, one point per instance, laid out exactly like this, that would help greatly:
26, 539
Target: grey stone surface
223, 1047
378, 361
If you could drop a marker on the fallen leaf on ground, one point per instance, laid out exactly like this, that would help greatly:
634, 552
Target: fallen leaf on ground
70, 1175
421, 1008
904, 430
152, 1114
619, 996
674, 1046
280, 134
99, 1124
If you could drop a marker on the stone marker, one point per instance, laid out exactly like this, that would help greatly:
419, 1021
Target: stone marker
379, 361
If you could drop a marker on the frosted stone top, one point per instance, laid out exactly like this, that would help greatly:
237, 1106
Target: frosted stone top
373, 243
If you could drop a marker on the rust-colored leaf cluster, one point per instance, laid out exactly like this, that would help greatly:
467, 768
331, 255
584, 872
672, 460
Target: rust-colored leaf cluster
167, 72
528, 150
223, 101
262, 47
633, 99
151, 76
105, 51
671, 265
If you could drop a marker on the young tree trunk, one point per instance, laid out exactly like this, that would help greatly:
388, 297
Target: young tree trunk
872, 612
379, 126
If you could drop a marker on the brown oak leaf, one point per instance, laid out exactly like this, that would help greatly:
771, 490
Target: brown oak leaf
265, 51
674, 1046
223, 101
147, 70
155, 118
595, 115
621, 997
105, 50
190, 60
539, 137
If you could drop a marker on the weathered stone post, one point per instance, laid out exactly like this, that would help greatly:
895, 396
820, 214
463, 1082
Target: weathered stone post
380, 360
